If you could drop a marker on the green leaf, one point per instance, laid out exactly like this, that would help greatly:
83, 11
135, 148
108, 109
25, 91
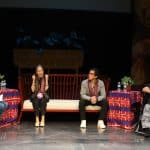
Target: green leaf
2, 77
127, 80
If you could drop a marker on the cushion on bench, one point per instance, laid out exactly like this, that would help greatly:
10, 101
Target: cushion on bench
60, 104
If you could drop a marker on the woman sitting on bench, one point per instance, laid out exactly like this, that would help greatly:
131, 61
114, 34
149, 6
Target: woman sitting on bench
39, 97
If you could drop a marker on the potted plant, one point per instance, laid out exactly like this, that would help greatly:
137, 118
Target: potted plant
1, 79
127, 82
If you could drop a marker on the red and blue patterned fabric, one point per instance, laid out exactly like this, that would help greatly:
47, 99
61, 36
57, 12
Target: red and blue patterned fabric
12, 97
120, 112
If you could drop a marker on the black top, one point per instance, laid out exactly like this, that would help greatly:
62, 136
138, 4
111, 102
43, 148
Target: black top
147, 96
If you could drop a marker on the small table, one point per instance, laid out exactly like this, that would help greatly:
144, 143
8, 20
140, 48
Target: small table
12, 97
120, 112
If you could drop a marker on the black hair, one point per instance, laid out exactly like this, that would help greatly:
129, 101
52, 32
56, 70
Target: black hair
39, 65
96, 71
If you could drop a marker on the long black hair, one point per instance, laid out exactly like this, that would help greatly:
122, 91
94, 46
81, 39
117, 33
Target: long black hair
39, 65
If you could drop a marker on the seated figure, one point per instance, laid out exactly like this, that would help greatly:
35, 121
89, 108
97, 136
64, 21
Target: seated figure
143, 126
93, 93
39, 96
3, 107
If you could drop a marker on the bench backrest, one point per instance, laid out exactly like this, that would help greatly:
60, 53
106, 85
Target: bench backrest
59, 59
61, 86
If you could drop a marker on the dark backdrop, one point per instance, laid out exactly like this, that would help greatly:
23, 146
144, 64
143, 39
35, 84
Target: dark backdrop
108, 37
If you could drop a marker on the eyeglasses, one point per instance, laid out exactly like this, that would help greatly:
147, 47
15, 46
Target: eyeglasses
91, 73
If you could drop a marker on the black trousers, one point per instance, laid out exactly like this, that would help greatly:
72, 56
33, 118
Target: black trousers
102, 114
39, 105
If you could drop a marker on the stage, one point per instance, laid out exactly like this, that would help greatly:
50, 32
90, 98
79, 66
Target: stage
66, 135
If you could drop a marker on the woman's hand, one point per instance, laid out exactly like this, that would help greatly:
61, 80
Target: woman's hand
33, 88
46, 82
33, 83
33, 77
46, 76
46, 87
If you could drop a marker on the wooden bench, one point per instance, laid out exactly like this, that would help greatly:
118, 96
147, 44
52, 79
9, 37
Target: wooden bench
64, 92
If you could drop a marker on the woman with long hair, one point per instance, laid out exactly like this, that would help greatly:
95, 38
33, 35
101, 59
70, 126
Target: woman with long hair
39, 96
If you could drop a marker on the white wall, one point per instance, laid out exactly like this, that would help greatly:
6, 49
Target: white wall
96, 5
